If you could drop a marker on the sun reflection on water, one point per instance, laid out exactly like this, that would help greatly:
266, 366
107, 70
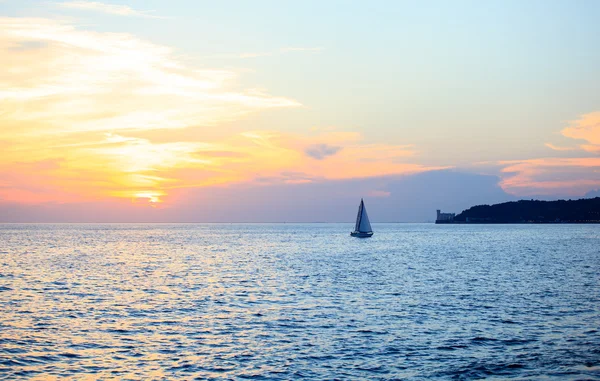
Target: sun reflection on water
295, 301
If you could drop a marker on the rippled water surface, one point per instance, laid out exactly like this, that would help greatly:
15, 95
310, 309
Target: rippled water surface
299, 301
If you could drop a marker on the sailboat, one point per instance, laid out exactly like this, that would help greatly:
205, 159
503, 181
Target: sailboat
363, 226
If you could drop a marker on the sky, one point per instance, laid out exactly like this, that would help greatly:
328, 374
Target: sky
271, 111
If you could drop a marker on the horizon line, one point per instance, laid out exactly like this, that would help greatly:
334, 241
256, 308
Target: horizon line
229, 222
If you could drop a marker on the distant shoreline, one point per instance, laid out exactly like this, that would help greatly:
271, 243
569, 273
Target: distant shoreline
516, 223
582, 211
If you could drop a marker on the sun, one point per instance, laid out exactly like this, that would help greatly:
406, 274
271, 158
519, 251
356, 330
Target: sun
151, 198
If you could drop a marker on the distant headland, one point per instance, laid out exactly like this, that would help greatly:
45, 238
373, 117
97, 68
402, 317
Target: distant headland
583, 211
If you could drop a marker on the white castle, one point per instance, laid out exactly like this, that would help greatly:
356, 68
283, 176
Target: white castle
445, 216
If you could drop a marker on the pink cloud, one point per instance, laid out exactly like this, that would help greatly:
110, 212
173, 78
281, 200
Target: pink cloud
557, 148
586, 128
565, 176
379, 193
547, 176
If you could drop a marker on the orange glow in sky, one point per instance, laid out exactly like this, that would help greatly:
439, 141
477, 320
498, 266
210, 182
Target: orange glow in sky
87, 114
78, 105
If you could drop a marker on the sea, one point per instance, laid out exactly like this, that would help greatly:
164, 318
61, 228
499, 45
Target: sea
299, 302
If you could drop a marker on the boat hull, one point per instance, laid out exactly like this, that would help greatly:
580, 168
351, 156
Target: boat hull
361, 234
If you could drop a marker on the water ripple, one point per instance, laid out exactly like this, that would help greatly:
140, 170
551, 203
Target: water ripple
299, 301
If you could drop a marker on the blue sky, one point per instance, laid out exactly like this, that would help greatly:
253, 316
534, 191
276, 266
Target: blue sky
507, 89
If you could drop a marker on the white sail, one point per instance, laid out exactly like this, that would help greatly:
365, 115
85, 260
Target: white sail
359, 216
364, 225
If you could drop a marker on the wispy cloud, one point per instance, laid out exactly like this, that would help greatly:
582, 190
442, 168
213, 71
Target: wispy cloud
565, 175
339, 154
379, 193
64, 89
120, 117
586, 128
557, 148
113, 9
551, 176
79, 80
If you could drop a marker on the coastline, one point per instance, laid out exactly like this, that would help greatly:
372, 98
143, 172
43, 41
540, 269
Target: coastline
514, 223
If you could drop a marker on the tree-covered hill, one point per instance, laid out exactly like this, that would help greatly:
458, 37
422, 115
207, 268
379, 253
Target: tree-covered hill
523, 211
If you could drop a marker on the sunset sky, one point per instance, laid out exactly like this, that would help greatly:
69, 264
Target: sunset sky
218, 110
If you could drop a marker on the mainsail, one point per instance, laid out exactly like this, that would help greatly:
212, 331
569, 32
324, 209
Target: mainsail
362, 219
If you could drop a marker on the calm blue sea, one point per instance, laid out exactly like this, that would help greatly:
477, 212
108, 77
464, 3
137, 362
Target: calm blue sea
299, 301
